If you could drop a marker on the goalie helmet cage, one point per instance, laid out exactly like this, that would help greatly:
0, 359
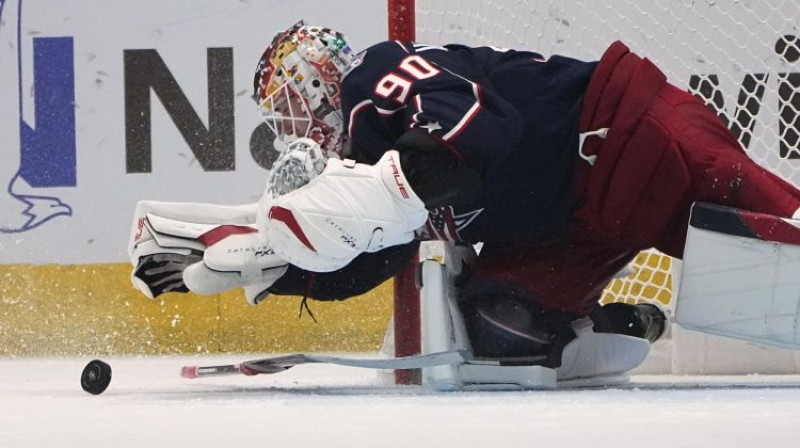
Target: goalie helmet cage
740, 58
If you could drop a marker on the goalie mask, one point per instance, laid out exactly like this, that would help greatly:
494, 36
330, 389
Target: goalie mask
297, 86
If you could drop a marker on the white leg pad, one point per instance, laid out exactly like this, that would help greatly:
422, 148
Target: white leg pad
595, 357
443, 329
741, 286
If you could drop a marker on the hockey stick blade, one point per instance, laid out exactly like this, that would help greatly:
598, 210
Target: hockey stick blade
277, 364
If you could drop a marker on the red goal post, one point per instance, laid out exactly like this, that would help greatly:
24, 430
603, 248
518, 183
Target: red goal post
406, 319
741, 58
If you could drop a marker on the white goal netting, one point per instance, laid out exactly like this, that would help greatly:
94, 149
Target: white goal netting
741, 57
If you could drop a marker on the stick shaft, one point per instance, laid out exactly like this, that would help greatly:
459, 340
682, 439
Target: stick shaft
280, 363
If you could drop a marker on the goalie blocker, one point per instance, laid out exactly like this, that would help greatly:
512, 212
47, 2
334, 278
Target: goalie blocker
741, 276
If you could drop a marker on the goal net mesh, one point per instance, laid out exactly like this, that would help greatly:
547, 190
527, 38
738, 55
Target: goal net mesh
740, 57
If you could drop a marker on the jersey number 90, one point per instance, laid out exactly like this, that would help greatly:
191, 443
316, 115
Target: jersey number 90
396, 87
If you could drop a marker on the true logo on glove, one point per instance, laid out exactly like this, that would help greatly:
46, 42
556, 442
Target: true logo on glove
140, 229
398, 178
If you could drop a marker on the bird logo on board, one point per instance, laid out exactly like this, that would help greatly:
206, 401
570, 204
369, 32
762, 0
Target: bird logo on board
35, 159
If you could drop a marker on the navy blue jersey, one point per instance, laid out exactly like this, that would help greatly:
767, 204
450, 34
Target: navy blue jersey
511, 116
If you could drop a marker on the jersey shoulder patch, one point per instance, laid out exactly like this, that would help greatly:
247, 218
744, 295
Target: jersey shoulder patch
355, 62
368, 66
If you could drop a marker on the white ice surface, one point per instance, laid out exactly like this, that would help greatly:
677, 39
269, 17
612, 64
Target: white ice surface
149, 405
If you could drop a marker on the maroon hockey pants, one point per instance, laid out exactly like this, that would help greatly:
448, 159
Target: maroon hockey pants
688, 156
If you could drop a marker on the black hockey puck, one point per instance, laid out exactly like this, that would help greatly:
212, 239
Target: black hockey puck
96, 377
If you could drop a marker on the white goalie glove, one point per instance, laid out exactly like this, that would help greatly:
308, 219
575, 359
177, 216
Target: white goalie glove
208, 249
203, 248
349, 209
